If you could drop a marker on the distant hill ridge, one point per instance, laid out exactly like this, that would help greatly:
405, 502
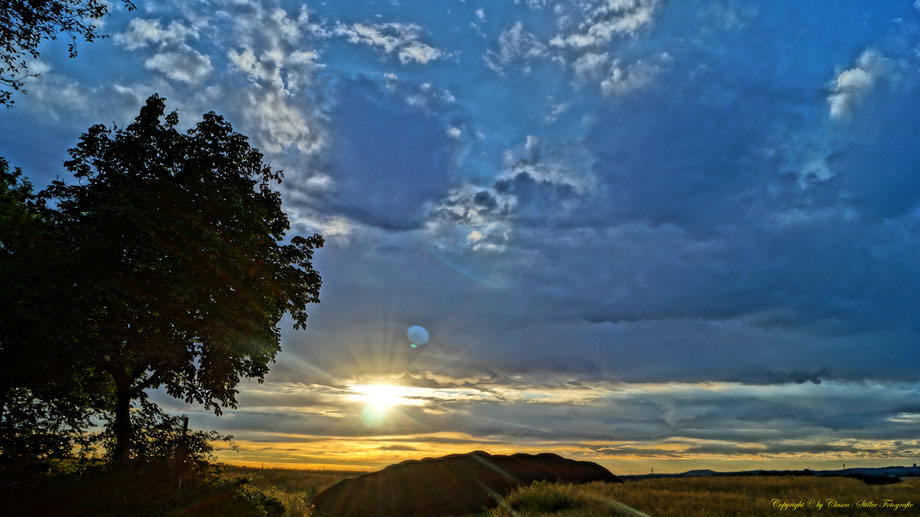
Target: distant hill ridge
869, 475
454, 484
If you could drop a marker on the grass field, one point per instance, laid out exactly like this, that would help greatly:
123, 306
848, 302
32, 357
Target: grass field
295, 488
666, 497
713, 496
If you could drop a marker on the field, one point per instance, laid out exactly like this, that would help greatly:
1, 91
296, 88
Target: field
677, 497
295, 488
713, 496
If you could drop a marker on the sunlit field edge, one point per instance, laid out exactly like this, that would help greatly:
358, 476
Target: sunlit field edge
663, 497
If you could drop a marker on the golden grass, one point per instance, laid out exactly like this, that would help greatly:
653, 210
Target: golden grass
714, 496
295, 488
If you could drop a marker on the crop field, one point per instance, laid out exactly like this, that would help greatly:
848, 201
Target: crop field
715, 496
664, 497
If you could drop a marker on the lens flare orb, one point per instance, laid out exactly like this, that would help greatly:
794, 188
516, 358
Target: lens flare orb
418, 336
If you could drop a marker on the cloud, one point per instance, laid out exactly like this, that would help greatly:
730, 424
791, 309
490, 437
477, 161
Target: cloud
625, 79
539, 182
609, 18
277, 122
401, 39
186, 65
173, 57
533, 4
382, 178
425, 96
283, 70
143, 32
591, 65
599, 420
852, 84
515, 43
270, 50
419, 52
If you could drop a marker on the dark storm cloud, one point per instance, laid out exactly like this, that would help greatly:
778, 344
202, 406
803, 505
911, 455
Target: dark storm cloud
876, 152
387, 160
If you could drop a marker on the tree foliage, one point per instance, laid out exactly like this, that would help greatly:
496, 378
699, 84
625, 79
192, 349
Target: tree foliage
25, 23
179, 259
46, 399
164, 264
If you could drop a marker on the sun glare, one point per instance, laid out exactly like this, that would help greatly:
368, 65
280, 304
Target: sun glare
383, 396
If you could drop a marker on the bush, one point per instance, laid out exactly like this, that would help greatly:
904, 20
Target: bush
542, 497
142, 489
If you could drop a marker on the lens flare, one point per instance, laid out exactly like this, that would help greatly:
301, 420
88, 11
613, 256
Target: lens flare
418, 336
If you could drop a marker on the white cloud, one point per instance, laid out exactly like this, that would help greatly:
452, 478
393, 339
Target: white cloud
533, 4
419, 52
532, 144
623, 79
482, 15
515, 43
401, 39
453, 132
556, 109
142, 32
37, 67
278, 122
173, 58
270, 52
852, 84
590, 65
424, 96
610, 18
59, 96
391, 80
478, 30
186, 65
268, 49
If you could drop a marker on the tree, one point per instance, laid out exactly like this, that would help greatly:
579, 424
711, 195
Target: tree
45, 399
25, 23
180, 262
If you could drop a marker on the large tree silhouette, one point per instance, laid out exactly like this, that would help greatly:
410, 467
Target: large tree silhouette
179, 260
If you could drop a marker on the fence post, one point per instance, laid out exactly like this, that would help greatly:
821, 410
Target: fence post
182, 451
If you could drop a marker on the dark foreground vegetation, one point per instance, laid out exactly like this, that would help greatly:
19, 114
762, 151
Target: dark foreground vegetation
138, 490
165, 264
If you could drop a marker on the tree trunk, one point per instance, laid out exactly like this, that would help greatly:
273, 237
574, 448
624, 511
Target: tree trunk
122, 421
4, 391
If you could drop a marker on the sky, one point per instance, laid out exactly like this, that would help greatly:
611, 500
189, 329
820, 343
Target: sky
646, 233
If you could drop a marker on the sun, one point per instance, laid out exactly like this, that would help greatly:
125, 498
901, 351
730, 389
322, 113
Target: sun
381, 397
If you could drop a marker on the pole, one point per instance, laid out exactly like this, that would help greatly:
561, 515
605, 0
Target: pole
182, 451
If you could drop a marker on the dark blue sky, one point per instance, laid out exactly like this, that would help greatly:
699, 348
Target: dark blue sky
638, 231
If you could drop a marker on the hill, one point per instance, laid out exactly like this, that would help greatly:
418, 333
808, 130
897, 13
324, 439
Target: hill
455, 484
